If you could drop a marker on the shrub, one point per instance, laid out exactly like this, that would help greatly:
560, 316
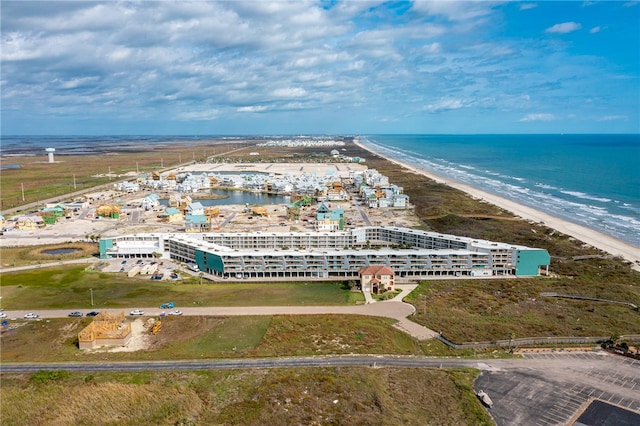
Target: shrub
45, 376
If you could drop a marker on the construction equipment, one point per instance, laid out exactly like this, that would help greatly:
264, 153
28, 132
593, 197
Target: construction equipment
157, 326
168, 305
259, 211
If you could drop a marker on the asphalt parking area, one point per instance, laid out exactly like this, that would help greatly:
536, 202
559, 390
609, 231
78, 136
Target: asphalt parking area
557, 395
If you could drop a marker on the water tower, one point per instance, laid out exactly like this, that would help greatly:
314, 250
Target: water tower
50, 151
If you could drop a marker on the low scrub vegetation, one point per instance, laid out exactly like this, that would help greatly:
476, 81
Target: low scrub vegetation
354, 396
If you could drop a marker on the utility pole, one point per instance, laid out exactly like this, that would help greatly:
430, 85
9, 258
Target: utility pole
137, 170
22, 186
91, 291
74, 181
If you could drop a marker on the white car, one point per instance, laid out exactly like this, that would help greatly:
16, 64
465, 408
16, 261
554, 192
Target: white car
31, 315
176, 312
137, 312
3, 315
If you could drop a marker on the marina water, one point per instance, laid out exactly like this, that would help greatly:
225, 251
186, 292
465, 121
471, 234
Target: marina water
591, 180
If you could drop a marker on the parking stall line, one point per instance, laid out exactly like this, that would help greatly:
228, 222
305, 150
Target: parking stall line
554, 417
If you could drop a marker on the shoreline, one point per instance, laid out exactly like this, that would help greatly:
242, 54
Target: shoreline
588, 236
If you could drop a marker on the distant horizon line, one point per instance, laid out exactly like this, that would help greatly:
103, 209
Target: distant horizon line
256, 135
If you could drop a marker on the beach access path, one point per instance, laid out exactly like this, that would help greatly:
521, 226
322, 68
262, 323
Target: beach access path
589, 236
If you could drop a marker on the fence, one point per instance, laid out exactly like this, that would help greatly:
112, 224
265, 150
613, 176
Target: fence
533, 341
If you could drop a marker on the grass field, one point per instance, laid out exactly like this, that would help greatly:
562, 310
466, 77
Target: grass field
42, 180
477, 310
71, 287
485, 310
22, 256
354, 396
217, 337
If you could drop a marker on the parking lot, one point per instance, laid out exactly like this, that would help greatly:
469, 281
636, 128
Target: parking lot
161, 269
557, 393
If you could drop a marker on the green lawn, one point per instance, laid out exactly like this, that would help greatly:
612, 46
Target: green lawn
71, 287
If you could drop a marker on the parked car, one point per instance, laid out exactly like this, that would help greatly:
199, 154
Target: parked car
75, 314
176, 312
137, 312
93, 313
3, 315
31, 315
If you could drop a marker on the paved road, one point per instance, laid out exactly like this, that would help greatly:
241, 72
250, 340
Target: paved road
395, 309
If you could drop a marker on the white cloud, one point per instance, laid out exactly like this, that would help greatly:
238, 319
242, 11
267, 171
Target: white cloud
199, 115
208, 60
446, 104
253, 108
454, 10
538, 117
78, 82
289, 92
595, 29
564, 28
432, 48
527, 6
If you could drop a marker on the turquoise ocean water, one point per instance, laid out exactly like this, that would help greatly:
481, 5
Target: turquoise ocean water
591, 180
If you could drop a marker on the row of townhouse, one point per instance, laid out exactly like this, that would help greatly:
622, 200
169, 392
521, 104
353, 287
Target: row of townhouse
331, 255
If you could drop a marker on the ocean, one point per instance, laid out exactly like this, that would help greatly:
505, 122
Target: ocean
590, 180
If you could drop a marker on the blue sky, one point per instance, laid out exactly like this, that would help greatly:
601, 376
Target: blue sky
329, 67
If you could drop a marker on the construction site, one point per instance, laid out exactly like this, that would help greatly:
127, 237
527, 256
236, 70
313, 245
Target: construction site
105, 329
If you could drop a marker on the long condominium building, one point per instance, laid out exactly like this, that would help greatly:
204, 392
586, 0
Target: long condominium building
333, 255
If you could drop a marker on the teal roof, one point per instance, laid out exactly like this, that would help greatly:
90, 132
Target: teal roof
172, 210
196, 218
330, 215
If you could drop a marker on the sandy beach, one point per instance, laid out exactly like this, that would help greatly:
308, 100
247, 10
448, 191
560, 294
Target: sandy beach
588, 236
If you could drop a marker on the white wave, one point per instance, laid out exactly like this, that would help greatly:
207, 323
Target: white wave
621, 226
544, 186
582, 195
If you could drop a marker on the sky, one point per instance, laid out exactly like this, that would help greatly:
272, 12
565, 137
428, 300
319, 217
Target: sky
319, 67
